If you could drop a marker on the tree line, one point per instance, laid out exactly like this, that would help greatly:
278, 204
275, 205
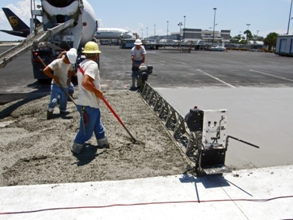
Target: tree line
270, 41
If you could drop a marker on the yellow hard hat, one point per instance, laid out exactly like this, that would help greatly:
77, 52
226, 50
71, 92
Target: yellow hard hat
91, 47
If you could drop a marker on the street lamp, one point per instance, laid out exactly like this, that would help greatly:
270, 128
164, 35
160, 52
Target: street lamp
289, 18
141, 33
167, 30
154, 30
184, 27
289, 26
215, 9
180, 24
147, 32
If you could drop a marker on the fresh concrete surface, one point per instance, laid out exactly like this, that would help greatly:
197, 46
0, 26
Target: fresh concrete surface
265, 193
261, 116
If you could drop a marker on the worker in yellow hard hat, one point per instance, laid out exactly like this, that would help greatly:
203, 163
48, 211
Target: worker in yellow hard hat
90, 93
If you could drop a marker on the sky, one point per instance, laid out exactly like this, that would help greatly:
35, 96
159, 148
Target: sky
159, 16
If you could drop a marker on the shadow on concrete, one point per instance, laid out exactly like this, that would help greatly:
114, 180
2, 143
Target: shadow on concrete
42, 89
209, 181
88, 154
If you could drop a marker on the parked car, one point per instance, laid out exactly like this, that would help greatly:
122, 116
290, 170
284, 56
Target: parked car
218, 48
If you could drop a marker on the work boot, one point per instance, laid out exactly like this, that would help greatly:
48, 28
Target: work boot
64, 112
49, 114
76, 148
133, 88
103, 143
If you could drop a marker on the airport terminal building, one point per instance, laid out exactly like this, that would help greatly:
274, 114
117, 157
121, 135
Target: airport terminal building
193, 34
197, 35
201, 39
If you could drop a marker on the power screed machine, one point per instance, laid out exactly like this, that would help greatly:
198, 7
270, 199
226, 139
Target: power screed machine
208, 140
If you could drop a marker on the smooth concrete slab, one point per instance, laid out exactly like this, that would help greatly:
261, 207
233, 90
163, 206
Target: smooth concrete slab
261, 116
265, 193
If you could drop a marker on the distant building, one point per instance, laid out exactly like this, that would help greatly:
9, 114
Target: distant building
284, 45
192, 34
199, 35
196, 35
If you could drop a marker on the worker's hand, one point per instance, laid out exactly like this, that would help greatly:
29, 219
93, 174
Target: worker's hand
61, 53
99, 94
73, 73
142, 64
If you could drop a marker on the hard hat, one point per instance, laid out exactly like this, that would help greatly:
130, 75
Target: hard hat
91, 47
73, 49
71, 55
137, 42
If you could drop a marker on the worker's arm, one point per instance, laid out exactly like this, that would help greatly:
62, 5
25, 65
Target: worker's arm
61, 54
48, 71
87, 83
132, 59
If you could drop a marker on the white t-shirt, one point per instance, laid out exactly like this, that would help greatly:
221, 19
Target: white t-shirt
85, 97
138, 53
61, 71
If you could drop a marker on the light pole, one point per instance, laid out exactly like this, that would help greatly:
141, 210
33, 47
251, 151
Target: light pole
154, 30
289, 18
147, 32
141, 33
215, 9
183, 27
180, 24
167, 30
247, 33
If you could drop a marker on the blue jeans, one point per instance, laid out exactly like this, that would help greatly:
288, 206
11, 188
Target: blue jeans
71, 88
56, 92
134, 74
94, 125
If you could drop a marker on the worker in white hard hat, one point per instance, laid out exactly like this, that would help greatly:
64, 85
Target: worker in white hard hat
73, 73
60, 71
138, 53
88, 102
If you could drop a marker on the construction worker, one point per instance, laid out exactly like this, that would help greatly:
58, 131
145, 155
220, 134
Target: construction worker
138, 53
71, 86
62, 68
88, 102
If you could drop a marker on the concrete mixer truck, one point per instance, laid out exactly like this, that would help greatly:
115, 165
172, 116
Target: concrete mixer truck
65, 24
53, 13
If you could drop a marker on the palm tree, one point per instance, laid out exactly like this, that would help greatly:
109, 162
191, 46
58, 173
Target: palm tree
271, 40
248, 34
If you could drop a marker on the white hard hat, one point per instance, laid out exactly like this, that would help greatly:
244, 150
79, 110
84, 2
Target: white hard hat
73, 49
71, 55
137, 42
